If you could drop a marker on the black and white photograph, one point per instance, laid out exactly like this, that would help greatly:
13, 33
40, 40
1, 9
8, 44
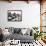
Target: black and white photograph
14, 15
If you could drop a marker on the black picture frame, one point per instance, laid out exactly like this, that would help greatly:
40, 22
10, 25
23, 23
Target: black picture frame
14, 15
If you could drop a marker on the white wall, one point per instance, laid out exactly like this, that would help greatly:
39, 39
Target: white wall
30, 14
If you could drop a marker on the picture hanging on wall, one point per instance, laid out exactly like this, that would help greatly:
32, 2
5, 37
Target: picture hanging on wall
14, 15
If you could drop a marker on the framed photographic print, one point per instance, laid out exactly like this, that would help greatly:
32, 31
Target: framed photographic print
14, 15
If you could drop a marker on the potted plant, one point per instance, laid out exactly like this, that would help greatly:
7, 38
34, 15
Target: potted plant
37, 33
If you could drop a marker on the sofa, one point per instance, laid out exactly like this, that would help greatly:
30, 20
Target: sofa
22, 34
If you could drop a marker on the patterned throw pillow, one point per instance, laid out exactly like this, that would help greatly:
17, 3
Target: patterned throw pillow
11, 30
17, 30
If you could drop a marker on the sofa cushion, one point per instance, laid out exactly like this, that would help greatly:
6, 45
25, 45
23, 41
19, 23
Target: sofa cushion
23, 31
11, 30
17, 30
22, 38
